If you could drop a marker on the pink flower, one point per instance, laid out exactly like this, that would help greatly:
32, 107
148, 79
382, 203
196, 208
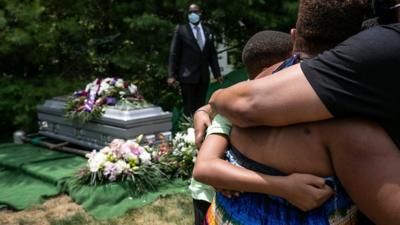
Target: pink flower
136, 151
116, 144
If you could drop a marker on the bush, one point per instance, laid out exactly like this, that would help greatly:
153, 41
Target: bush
20, 96
50, 46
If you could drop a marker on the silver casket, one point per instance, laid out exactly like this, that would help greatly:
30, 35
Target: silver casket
115, 123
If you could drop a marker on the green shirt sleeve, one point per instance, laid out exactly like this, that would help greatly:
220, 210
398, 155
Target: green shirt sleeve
219, 125
200, 191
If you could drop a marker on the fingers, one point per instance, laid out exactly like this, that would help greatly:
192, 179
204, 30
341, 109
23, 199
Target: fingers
199, 138
229, 193
326, 192
320, 196
315, 181
319, 183
310, 192
199, 133
201, 122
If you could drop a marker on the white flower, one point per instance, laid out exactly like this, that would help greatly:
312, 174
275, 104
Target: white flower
91, 155
133, 158
90, 86
132, 88
178, 136
121, 166
104, 88
132, 144
145, 157
96, 162
106, 150
190, 137
106, 80
116, 144
126, 150
119, 83
175, 152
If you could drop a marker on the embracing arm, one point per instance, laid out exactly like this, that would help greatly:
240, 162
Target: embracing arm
282, 99
211, 169
302, 190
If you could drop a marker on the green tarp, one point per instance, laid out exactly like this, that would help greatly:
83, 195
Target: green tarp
30, 174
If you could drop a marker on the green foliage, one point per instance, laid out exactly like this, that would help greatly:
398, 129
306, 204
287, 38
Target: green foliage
82, 116
184, 123
42, 41
20, 96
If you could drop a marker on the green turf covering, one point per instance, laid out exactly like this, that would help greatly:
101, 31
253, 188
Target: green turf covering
30, 174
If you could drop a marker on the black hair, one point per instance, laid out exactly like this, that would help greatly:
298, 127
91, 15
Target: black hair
322, 25
264, 49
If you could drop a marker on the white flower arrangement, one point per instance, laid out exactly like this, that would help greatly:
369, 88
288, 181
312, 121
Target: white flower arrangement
89, 103
123, 161
179, 161
142, 167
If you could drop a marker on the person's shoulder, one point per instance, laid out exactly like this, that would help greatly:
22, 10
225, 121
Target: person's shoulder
379, 34
381, 29
179, 27
393, 26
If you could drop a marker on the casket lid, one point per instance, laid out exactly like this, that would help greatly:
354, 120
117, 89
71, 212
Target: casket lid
112, 115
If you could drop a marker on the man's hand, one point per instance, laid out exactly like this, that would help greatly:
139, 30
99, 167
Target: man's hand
201, 120
305, 191
171, 81
220, 79
228, 193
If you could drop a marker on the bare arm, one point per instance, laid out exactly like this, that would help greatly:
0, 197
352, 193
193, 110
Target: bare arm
304, 191
282, 99
201, 120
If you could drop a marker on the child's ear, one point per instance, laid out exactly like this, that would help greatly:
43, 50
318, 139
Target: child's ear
293, 34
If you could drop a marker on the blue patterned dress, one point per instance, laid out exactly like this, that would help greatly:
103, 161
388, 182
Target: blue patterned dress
261, 209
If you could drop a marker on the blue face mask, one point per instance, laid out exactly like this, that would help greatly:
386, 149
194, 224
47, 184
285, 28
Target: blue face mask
194, 18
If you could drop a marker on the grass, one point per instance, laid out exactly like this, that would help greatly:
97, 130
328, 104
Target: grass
25, 221
170, 210
78, 218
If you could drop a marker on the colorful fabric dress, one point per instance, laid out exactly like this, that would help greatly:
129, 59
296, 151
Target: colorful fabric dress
261, 209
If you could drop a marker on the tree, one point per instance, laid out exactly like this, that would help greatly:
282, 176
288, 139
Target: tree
79, 40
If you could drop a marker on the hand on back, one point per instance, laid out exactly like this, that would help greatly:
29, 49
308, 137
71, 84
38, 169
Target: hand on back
305, 191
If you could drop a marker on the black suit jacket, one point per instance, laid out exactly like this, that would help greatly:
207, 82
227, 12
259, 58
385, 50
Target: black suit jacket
187, 62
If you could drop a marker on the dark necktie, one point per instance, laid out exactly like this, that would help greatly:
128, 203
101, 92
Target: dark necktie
199, 38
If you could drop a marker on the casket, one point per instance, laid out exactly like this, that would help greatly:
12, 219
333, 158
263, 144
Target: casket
115, 123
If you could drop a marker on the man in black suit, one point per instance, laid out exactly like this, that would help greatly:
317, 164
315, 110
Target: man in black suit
192, 52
